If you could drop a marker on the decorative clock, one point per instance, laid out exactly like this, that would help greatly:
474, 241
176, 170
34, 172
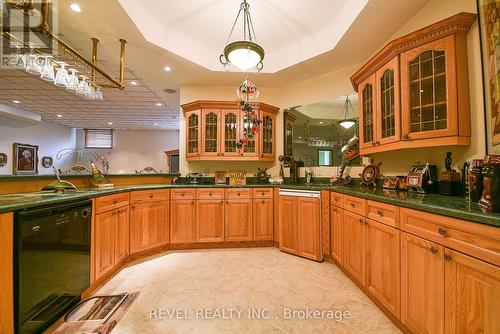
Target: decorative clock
371, 174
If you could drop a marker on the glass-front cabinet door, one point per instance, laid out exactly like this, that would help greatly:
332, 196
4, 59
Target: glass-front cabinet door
366, 107
267, 135
429, 109
193, 133
210, 132
230, 132
388, 107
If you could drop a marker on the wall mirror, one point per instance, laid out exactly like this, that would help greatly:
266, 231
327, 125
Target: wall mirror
313, 135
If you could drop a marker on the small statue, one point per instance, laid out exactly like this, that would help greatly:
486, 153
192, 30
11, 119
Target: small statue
447, 161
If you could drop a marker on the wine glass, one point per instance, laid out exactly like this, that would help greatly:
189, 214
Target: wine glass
32, 63
98, 94
72, 82
61, 79
83, 85
47, 71
90, 93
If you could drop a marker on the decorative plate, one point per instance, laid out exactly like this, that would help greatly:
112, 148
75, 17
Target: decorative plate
3, 159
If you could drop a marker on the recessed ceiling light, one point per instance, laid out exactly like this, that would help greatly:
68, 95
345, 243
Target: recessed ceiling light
300, 137
320, 122
167, 68
159, 104
133, 83
16, 101
75, 7
59, 116
110, 123
156, 123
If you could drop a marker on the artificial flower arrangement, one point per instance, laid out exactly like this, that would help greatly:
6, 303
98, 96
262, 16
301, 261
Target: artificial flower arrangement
251, 127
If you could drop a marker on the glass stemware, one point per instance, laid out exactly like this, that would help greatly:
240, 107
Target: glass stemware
32, 63
47, 72
19, 58
98, 94
83, 85
90, 94
72, 82
61, 79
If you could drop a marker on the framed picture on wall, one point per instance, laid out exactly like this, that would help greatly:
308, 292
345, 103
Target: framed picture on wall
25, 161
489, 31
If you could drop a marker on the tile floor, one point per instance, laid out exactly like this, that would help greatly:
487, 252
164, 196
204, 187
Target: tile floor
217, 284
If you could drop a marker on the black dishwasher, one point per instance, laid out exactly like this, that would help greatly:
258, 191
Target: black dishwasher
51, 262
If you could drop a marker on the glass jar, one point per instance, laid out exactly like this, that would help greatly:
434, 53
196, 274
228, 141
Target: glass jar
490, 200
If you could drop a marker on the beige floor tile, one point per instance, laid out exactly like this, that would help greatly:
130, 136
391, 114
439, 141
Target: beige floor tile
262, 278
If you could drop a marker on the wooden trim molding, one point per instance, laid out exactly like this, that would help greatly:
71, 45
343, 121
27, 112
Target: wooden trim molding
458, 24
214, 104
7, 273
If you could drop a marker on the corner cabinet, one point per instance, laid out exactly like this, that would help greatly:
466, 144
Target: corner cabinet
415, 91
213, 129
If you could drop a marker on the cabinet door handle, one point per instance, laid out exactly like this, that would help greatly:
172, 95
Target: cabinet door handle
442, 231
238, 194
263, 202
352, 205
405, 137
209, 194
222, 154
221, 202
447, 257
151, 196
434, 250
377, 143
373, 143
192, 202
133, 206
182, 194
380, 213
115, 201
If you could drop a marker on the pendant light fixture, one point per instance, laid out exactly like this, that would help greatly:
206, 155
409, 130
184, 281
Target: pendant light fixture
244, 54
347, 123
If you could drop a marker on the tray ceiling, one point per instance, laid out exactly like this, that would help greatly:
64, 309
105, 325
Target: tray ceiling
290, 31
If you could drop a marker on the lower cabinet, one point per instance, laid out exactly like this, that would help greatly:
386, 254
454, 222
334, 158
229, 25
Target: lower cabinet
299, 226
472, 295
354, 245
182, 221
382, 264
422, 285
209, 220
263, 213
111, 242
336, 234
238, 220
149, 225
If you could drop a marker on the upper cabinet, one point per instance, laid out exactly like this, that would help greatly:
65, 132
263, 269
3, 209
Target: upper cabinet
213, 129
415, 91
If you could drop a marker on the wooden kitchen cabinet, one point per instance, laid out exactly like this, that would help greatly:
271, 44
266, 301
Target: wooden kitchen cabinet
300, 226
308, 228
104, 240
354, 245
336, 234
383, 278
414, 92
366, 106
213, 129
472, 295
182, 221
238, 220
287, 224
122, 228
193, 133
422, 285
149, 225
262, 218
209, 220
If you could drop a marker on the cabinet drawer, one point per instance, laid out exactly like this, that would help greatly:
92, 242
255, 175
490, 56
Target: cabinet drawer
383, 213
474, 239
354, 204
209, 193
337, 199
262, 192
238, 193
183, 193
110, 202
149, 196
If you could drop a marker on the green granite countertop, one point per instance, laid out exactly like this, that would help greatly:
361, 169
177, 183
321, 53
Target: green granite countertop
52, 176
452, 206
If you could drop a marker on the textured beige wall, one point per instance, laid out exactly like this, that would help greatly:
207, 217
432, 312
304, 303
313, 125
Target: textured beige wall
333, 84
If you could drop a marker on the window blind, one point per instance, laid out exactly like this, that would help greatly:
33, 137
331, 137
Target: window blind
98, 138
